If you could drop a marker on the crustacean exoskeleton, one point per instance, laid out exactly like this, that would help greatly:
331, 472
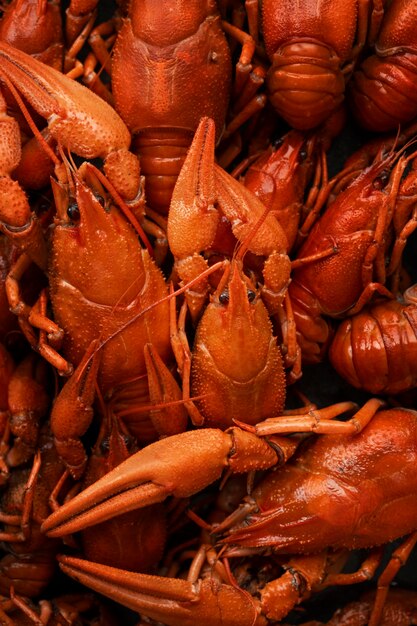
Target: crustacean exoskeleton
25, 402
179, 67
326, 498
136, 539
121, 311
28, 406
34, 26
375, 349
134, 350
366, 223
281, 174
206, 203
77, 119
382, 90
312, 56
30, 560
236, 367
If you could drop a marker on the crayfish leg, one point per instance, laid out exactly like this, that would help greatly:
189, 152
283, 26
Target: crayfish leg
320, 421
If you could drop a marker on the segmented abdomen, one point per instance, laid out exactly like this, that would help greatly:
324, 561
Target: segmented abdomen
383, 91
305, 83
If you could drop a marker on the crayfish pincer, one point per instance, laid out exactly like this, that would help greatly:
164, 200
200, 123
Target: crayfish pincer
109, 304
77, 118
326, 498
206, 204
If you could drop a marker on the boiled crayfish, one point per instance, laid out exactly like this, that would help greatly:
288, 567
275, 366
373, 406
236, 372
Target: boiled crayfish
315, 503
312, 57
359, 224
382, 90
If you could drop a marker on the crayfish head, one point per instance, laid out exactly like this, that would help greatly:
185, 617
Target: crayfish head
91, 233
236, 354
290, 156
240, 319
279, 178
80, 211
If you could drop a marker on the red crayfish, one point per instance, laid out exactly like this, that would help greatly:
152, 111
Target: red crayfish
325, 498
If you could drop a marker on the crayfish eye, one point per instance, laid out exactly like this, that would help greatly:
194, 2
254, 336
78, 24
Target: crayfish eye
73, 212
99, 198
105, 445
381, 180
303, 154
224, 297
277, 143
251, 295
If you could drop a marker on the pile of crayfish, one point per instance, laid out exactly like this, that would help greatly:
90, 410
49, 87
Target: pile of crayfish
208, 316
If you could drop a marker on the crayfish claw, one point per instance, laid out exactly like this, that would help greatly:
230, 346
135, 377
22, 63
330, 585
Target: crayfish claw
72, 411
164, 468
161, 469
175, 602
81, 512
76, 117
